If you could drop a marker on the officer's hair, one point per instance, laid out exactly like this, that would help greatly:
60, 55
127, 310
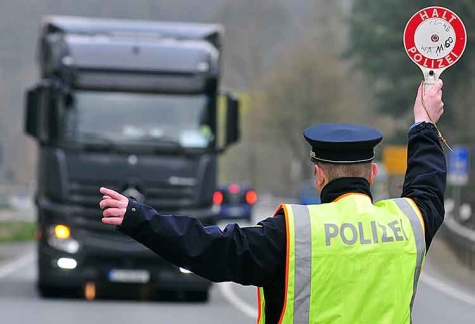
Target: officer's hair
335, 171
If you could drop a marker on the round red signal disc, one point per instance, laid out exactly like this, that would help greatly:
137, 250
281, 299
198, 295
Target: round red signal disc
435, 38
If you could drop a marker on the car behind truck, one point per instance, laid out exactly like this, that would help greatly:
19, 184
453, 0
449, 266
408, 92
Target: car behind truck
133, 106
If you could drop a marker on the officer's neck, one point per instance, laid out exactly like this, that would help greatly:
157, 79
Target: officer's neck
341, 186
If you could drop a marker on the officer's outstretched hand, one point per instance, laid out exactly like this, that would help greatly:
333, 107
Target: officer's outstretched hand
432, 101
114, 205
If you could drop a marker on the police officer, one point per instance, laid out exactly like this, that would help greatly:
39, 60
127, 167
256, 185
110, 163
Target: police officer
348, 260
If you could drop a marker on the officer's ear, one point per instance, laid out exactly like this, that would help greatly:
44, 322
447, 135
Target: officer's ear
315, 181
320, 178
374, 173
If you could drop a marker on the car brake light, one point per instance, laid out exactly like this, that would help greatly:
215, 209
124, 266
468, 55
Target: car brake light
218, 198
251, 197
234, 188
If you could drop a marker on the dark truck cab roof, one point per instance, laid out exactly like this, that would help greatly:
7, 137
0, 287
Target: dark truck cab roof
130, 55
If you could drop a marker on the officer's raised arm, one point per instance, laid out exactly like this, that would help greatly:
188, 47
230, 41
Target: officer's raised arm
425, 179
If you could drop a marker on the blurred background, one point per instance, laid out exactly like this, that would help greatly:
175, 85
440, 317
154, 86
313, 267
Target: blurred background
291, 64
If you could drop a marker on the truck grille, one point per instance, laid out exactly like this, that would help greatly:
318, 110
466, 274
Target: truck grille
158, 195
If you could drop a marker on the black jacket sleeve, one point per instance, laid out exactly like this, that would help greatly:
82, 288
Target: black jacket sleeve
425, 179
248, 255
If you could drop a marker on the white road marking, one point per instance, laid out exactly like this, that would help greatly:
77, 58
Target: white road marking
228, 293
448, 289
226, 289
19, 263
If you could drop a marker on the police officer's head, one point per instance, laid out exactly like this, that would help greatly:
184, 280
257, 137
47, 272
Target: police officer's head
342, 151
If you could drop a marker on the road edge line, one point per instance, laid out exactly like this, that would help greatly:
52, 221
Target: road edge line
19, 263
226, 289
448, 289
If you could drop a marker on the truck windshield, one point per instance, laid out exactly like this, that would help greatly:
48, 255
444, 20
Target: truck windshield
130, 117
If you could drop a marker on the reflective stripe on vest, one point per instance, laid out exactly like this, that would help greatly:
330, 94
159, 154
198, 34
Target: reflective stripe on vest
418, 231
345, 247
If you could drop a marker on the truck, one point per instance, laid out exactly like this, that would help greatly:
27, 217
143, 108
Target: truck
136, 106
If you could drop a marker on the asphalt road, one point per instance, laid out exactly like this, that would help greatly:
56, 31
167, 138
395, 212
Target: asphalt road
446, 295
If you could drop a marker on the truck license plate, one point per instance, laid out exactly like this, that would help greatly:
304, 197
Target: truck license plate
129, 276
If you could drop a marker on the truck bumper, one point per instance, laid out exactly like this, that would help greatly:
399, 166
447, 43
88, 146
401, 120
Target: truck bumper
161, 275
102, 250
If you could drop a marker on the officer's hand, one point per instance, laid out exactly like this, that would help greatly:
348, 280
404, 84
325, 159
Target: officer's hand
115, 206
433, 103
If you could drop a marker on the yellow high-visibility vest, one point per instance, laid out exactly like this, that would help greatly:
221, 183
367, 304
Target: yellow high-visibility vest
351, 261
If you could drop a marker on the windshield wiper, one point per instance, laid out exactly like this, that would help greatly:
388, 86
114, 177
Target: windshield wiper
166, 143
96, 138
167, 140
172, 141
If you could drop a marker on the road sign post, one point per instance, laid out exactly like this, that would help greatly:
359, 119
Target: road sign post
458, 175
395, 164
459, 166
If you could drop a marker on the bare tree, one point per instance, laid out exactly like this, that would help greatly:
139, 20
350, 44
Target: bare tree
254, 32
305, 89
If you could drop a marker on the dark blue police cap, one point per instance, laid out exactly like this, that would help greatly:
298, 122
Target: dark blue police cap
342, 143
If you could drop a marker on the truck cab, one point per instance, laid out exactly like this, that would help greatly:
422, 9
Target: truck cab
133, 106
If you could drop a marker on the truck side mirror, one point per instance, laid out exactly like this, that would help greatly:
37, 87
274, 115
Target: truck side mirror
32, 112
39, 113
232, 120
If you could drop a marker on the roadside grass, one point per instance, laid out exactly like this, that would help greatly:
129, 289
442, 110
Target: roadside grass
12, 231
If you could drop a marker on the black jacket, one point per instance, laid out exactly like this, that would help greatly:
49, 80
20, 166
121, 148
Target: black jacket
256, 255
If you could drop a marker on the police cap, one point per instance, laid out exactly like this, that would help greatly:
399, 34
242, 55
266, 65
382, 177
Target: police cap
342, 143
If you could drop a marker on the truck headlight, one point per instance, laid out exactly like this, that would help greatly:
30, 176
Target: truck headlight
59, 237
185, 271
62, 232
67, 263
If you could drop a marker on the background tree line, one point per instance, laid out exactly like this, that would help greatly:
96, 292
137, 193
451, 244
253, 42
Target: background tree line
296, 63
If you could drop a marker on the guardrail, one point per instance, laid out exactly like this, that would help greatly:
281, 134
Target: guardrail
461, 239
16, 197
